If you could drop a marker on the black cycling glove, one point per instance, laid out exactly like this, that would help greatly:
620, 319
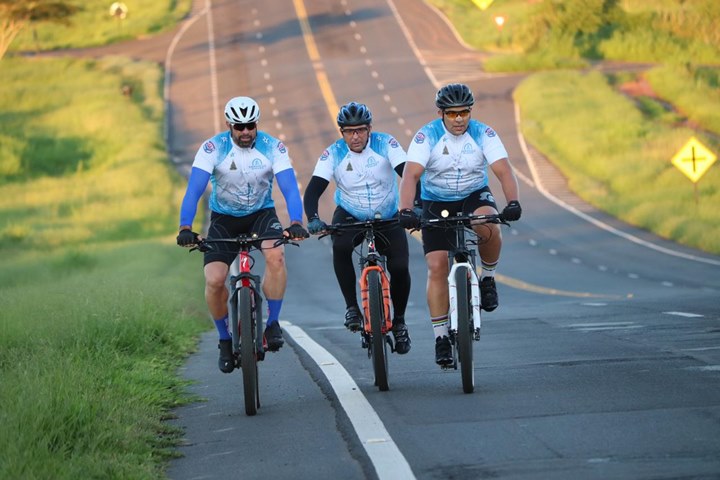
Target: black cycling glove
315, 226
408, 219
187, 238
297, 232
512, 211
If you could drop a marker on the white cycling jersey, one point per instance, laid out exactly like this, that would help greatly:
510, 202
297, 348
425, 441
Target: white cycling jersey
366, 182
241, 178
455, 166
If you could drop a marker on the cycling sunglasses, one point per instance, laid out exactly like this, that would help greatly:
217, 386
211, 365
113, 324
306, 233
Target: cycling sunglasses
244, 126
454, 114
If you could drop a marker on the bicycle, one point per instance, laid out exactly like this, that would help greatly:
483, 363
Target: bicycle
374, 294
464, 289
245, 309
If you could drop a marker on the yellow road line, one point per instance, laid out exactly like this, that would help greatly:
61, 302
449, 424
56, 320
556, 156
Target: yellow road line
318, 66
521, 285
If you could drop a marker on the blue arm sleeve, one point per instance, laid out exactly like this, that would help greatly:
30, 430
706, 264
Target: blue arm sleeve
289, 188
195, 189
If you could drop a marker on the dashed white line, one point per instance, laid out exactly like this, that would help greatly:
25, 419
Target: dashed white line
684, 314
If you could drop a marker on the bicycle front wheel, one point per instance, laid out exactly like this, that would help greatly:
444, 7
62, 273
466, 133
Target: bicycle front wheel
377, 321
465, 331
248, 354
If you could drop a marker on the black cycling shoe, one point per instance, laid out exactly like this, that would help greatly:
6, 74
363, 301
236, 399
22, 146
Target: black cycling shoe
273, 336
226, 363
402, 337
352, 319
488, 294
443, 351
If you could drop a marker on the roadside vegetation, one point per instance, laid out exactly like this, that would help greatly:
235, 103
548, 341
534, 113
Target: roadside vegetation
98, 311
615, 143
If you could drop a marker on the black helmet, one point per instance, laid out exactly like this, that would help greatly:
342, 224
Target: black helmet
354, 114
454, 95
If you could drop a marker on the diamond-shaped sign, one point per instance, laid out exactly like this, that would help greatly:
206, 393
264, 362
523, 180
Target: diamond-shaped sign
694, 159
482, 4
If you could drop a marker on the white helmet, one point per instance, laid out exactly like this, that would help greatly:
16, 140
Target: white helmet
242, 110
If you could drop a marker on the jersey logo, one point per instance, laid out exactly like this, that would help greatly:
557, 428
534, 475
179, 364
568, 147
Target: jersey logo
281, 147
445, 151
393, 143
232, 166
324, 156
209, 147
420, 137
256, 164
467, 149
371, 162
349, 167
490, 132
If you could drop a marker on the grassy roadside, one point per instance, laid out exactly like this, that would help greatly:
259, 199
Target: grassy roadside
617, 158
99, 306
91, 338
93, 25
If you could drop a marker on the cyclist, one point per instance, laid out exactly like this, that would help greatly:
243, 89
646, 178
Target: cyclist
451, 156
362, 164
240, 163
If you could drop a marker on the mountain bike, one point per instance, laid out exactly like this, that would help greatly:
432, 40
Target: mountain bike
464, 288
374, 293
245, 309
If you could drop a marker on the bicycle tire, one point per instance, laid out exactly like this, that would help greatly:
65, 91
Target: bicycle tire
377, 320
465, 333
248, 354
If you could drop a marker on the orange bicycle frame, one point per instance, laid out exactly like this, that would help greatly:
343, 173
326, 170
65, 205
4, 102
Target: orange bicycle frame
364, 293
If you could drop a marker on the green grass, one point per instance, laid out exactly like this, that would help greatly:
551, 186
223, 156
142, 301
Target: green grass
99, 306
93, 25
617, 159
82, 162
548, 34
92, 336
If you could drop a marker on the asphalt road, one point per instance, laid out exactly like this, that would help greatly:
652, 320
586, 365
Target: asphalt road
603, 360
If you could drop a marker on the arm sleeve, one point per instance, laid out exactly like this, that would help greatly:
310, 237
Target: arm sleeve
399, 170
195, 189
289, 188
315, 188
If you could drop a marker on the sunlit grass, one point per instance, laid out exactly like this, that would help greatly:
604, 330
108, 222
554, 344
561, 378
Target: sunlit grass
91, 338
99, 306
93, 24
616, 159
89, 164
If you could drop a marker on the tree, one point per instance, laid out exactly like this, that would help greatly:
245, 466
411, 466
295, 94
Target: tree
15, 15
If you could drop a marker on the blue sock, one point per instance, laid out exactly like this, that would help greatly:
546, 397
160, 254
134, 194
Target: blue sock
222, 328
274, 307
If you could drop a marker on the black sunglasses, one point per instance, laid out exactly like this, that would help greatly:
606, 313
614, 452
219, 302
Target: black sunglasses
244, 126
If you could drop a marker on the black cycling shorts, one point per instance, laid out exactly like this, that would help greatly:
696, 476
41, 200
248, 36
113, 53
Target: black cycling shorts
262, 222
435, 239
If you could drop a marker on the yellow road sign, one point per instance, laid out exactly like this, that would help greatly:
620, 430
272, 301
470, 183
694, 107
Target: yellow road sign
694, 159
482, 4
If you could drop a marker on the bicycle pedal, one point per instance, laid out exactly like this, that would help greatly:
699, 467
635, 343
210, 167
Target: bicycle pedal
476, 335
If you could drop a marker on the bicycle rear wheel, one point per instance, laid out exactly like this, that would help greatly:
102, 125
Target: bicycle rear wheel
465, 329
377, 320
248, 354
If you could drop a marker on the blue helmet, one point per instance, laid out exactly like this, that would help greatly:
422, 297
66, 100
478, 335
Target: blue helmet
354, 114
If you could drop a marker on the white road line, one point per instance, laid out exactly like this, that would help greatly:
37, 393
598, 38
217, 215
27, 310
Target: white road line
384, 454
684, 314
603, 324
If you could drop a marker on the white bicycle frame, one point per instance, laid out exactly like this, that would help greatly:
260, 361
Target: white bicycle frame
474, 294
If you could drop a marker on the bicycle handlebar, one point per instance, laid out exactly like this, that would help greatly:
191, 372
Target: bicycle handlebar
464, 220
376, 224
252, 241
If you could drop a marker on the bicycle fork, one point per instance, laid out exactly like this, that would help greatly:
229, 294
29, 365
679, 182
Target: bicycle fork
474, 297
